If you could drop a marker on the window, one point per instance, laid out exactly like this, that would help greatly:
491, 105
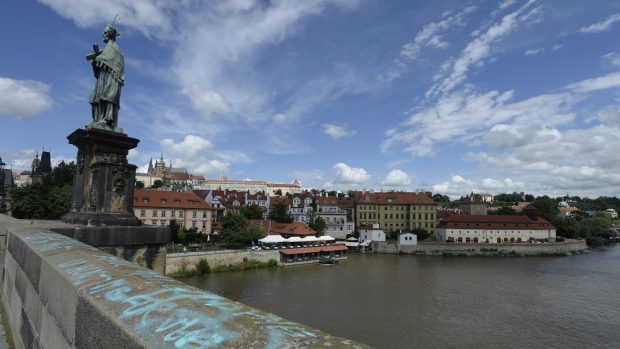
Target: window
162, 223
163, 201
193, 214
142, 213
172, 213
194, 224
181, 214
163, 213
204, 225
145, 201
204, 214
177, 202
386, 216
154, 213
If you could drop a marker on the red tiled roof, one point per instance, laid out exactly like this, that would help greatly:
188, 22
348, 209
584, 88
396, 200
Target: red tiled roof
283, 199
326, 200
498, 222
397, 198
313, 249
295, 228
168, 199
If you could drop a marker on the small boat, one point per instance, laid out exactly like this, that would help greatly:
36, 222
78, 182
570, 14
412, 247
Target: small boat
328, 260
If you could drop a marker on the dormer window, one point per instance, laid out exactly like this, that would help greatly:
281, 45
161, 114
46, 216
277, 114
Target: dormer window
145, 201
177, 202
163, 201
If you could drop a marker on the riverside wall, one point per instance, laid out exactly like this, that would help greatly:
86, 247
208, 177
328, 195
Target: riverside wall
443, 248
61, 293
176, 262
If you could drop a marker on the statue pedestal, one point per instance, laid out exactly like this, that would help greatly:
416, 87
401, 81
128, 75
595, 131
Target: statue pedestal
104, 182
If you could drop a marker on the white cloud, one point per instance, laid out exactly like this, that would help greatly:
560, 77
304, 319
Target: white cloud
208, 102
610, 116
601, 26
431, 34
613, 58
557, 47
480, 48
466, 116
350, 175
23, 98
191, 146
149, 16
599, 83
280, 118
336, 131
397, 178
459, 186
534, 51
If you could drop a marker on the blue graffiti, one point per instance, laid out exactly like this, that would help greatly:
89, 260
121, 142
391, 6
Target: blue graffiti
180, 315
46, 241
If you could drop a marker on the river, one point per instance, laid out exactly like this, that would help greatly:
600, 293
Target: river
400, 301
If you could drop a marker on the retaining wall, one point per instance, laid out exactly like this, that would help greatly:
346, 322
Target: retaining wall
431, 248
187, 261
61, 293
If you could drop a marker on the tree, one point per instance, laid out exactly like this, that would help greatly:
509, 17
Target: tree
504, 210
157, 183
237, 232
50, 199
547, 207
175, 228
280, 214
139, 185
278, 192
421, 234
252, 211
318, 225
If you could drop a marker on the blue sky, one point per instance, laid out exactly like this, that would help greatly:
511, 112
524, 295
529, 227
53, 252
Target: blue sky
450, 96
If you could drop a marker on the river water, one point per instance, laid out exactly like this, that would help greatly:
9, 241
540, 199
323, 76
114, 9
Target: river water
394, 301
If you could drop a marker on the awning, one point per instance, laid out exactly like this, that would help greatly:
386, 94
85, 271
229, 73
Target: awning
302, 250
294, 239
326, 238
309, 239
352, 239
272, 239
366, 243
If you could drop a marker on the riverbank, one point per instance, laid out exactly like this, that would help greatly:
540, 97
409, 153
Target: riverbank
564, 248
186, 262
203, 267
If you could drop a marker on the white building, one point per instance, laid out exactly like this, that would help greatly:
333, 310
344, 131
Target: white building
371, 232
495, 228
337, 219
301, 207
408, 239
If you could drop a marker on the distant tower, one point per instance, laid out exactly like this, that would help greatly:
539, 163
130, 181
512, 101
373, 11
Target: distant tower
150, 170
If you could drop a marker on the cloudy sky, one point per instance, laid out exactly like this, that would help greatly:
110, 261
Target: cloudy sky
447, 96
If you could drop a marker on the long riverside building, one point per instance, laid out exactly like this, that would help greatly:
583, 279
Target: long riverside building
496, 228
396, 211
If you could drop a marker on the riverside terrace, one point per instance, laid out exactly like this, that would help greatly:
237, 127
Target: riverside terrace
309, 249
61, 293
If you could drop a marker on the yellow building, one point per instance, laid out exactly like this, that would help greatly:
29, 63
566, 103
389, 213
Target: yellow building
396, 211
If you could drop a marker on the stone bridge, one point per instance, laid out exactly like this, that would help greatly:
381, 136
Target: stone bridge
61, 293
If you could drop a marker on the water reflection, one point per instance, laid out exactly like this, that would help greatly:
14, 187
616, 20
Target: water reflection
392, 301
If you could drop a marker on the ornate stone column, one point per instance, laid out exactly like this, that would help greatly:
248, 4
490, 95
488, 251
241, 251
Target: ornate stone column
104, 182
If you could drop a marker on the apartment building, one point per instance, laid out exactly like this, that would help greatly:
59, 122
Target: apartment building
157, 207
396, 211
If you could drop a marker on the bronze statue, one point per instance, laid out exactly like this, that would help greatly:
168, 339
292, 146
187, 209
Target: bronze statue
108, 67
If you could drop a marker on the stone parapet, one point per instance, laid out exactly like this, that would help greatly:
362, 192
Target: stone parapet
61, 293
187, 261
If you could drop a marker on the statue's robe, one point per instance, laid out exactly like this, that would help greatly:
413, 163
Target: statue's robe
105, 98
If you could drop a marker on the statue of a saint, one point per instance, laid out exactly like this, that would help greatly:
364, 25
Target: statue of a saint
108, 66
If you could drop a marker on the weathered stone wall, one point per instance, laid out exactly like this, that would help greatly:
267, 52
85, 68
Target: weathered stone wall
187, 261
385, 246
60, 293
